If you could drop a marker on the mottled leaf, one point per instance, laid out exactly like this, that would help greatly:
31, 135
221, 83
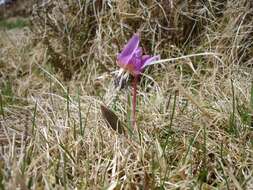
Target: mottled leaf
112, 119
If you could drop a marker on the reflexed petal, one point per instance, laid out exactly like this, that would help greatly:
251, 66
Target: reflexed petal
129, 50
145, 58
148, 60
137, 65
138, 52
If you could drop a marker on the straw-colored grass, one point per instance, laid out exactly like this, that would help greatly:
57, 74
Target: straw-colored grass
194, 108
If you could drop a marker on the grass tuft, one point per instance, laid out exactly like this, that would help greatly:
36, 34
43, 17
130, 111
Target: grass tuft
13, 24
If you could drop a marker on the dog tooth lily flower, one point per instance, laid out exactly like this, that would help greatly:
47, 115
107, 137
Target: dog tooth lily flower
131, 58
132, 61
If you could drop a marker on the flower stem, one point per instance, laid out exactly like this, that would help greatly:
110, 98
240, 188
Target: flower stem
135, 81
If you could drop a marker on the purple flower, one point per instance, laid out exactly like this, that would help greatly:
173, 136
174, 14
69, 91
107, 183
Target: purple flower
131, 58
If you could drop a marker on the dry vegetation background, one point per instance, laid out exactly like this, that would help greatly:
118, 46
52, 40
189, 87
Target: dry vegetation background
194, 114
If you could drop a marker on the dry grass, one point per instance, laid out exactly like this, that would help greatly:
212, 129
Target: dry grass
16, 8
194, 114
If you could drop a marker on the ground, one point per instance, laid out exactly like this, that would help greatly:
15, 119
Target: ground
194, 120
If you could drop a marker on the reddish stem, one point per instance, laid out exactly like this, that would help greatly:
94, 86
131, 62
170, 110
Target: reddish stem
135, 82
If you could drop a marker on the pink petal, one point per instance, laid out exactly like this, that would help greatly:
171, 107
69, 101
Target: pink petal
138, 52
129, 50
137, 61
147, 60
